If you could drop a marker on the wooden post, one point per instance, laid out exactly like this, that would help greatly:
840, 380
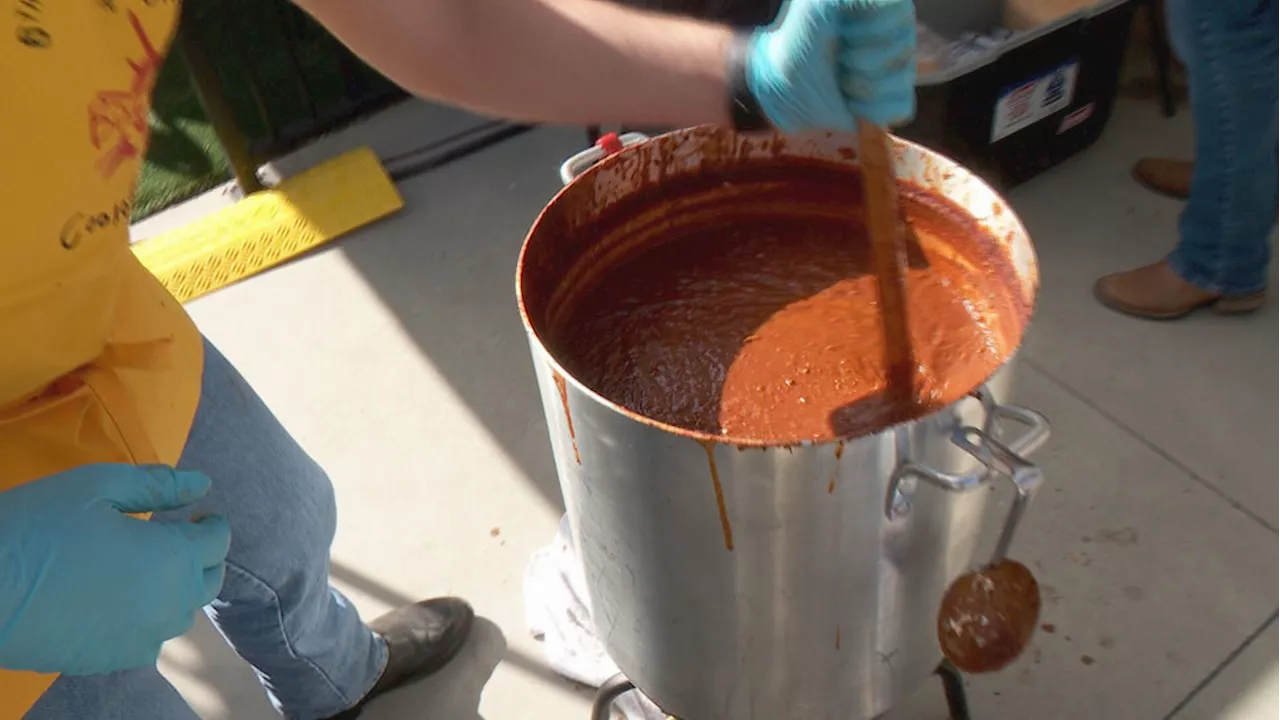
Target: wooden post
209, 91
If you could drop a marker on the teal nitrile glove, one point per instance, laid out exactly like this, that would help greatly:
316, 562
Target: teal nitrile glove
829, 63
85, 589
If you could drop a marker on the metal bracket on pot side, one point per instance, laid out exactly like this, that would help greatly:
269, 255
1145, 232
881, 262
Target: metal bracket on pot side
1006, 459
610, 144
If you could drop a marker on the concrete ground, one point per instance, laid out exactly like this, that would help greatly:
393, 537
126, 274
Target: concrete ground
397, 358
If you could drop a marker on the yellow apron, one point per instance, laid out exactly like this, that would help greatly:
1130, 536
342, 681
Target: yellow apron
98, 363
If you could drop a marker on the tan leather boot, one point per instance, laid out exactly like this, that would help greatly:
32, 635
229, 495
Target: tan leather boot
1165, 176
1155, 292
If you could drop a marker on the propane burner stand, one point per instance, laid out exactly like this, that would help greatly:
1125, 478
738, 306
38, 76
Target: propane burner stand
952, 685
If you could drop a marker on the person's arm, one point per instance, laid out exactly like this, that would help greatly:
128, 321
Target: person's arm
557, 61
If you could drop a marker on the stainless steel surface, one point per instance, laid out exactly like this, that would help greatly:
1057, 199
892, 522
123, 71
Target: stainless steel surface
740, 583
1003, 458
1026, 477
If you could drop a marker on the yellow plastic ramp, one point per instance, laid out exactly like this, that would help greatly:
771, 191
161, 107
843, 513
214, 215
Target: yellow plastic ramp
272, 226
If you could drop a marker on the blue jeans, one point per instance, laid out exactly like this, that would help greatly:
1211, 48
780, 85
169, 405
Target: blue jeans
1229, 49
308, 645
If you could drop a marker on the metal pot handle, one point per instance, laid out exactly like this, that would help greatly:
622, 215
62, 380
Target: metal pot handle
1026, 477
1004, 459
610, 144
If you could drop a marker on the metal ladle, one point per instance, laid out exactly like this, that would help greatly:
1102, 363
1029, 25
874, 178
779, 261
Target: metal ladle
987, 616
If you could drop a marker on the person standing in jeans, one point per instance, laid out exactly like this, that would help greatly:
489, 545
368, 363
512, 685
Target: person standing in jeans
1223, 254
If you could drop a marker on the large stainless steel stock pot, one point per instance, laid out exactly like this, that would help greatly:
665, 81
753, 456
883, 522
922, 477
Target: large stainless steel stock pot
766, 583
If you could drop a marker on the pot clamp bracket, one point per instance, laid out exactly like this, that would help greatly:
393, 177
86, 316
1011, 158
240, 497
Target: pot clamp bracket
1005, 459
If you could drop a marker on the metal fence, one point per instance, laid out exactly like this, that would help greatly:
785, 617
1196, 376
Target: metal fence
270, 78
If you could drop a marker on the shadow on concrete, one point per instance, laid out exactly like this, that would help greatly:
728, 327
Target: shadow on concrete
349, 577
214, 680
358, 581
222, 686
454, 692
227, 689
446, 269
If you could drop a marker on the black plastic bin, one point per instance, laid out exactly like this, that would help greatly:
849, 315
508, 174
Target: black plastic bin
1063, 78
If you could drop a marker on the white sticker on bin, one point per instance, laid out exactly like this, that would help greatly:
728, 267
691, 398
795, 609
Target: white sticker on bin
1023, 105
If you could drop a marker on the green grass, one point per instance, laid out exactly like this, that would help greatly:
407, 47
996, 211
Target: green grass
185, 158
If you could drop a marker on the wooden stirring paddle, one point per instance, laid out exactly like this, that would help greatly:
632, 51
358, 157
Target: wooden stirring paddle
889, 258
987, 617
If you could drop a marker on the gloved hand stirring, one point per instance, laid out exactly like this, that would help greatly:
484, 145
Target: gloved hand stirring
821, 64
829, 63
86, 589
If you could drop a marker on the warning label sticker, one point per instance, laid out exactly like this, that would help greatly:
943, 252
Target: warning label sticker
1023, 105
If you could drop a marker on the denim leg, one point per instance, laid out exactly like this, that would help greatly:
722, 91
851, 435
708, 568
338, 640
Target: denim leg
1229, 48
305, 640
127, 695
1179, 28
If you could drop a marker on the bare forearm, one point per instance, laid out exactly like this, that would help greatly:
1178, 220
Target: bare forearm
560, 61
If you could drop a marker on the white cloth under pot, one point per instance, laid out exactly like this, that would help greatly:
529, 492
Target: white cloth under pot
558, 611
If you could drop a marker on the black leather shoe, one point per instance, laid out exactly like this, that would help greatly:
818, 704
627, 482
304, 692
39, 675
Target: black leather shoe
421, 639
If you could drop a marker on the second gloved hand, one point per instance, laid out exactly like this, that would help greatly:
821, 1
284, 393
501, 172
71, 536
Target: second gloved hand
829, 63
86, 589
